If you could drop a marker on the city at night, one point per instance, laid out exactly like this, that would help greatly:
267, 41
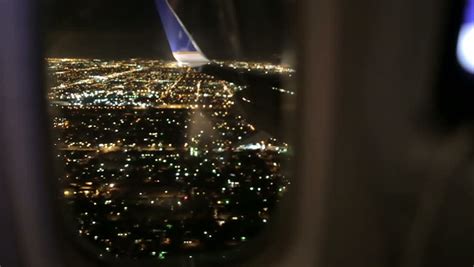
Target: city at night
236, 133
159, 160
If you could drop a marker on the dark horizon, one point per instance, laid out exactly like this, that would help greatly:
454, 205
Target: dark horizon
107, 29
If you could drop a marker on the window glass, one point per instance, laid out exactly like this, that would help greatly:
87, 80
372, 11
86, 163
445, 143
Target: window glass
169, 122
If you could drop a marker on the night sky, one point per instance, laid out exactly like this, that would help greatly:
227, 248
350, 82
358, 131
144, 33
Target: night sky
224, 29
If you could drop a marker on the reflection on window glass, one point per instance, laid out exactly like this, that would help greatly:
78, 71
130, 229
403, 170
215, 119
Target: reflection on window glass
169, 145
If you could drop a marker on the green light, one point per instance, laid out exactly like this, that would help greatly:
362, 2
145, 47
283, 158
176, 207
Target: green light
162, 255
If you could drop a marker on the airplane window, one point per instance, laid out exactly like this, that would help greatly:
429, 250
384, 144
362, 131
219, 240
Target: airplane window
465, 47
169, 120
455, 76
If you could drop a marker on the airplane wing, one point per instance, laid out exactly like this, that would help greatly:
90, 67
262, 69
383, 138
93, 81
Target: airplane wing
184, 48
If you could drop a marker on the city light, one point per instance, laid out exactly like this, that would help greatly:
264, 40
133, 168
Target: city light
157, 159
